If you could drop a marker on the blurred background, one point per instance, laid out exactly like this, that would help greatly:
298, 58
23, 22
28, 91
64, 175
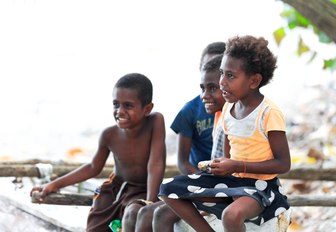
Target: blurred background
60, 59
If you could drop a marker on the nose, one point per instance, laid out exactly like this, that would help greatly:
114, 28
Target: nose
119, 111
205, 94
222, 81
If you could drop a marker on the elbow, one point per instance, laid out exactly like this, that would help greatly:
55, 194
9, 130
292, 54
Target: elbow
285, 168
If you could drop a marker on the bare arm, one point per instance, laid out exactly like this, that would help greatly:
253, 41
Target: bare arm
157, 160
280, 164
183, 153
81, 174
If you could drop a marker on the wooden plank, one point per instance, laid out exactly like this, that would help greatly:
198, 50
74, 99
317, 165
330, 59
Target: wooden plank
84, 199
312, 200
310, 173
30, 170
63, 199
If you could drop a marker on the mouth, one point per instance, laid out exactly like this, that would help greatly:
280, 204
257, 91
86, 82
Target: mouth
121, 119
209, 104
224, 93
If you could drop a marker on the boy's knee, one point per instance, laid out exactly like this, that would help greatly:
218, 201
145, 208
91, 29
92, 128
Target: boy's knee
131, 212
145, 212
164, 214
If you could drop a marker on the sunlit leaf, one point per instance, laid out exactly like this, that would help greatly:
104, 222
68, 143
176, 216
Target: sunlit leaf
330, 64
302, 21
302, 47
279, 35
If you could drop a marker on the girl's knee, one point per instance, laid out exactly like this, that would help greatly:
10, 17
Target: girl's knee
232, 216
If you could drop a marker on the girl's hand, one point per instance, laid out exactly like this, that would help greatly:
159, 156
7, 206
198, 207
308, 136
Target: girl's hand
223, 166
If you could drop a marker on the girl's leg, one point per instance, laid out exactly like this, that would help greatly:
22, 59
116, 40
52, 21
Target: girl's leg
188, 212
238, 212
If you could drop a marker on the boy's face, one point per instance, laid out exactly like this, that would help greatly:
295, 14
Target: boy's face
211, 93
128, 111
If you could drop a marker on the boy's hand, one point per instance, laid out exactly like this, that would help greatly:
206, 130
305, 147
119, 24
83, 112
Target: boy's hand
38, 193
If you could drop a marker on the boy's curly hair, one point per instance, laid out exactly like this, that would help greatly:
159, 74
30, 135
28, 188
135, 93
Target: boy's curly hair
256, 55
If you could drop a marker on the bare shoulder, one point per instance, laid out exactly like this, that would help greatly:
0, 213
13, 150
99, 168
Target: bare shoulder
156, 116
109, 131
156, 119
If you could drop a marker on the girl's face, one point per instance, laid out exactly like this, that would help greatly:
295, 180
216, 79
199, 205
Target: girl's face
211, 93
234, 83
128, 111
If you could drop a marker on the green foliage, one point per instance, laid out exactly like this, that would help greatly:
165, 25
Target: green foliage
294, 21
279, 35
330, 64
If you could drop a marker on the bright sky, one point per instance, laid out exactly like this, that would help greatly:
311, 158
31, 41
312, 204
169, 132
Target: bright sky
60, 59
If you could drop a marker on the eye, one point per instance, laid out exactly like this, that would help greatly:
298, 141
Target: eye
116, 105
230, 76
213, 88
202, 88
128, 105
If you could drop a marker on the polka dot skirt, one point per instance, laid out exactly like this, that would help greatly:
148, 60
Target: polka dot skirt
268, 193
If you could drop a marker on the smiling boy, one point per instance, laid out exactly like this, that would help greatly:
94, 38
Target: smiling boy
137, 143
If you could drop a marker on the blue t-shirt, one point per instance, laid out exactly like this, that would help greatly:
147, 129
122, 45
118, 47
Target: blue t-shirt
194, 122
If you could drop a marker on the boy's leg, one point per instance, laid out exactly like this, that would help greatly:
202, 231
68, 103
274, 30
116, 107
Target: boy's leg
186, 210
238, 212
130, 216
164, 219
145, 217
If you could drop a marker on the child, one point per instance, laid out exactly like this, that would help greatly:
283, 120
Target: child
137, 143
187, 124
243, 185
193, 124
163, 217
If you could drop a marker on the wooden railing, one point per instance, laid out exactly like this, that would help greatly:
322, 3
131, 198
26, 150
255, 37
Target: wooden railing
30, 169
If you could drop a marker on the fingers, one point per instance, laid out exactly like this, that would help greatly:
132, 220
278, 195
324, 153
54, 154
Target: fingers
35, 189
36, 197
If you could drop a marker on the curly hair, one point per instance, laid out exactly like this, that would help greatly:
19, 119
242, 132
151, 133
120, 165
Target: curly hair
255, 54
140, 83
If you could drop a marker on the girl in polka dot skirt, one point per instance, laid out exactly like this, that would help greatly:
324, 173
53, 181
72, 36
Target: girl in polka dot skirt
242, 185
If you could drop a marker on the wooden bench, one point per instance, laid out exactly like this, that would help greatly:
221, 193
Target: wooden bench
280, 223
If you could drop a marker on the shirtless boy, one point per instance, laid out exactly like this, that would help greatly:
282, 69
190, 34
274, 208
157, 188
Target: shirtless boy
137, 143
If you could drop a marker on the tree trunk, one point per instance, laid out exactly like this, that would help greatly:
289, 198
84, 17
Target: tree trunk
321, 13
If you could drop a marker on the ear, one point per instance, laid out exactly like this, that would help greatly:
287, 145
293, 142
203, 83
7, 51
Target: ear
148, 108
255, 81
